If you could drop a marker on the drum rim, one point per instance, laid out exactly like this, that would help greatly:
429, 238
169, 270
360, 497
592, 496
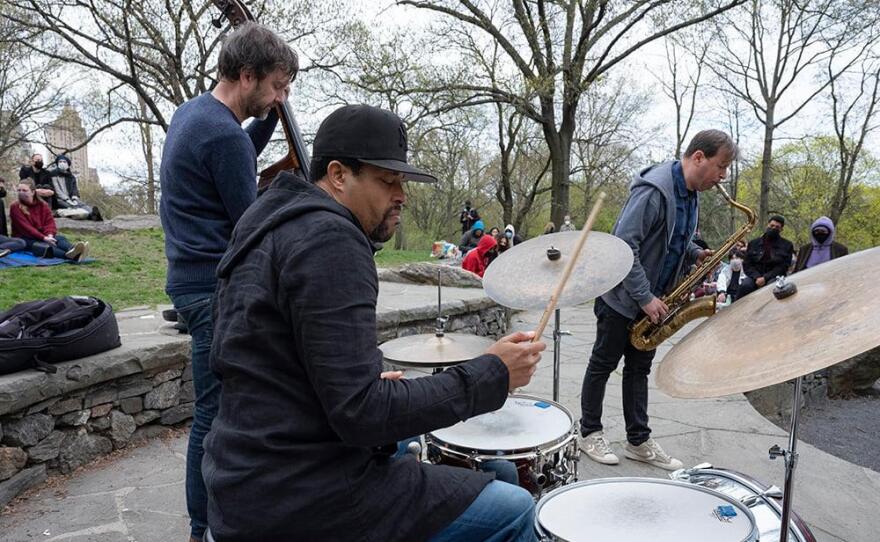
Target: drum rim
521, 453
542, 530
798, 526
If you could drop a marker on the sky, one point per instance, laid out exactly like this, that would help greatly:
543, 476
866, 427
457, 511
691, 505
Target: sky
116, 149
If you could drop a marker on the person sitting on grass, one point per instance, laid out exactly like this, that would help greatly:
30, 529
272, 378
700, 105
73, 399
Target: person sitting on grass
32, 221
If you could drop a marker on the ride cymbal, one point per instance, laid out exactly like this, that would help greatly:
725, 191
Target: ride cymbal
524, 277
759, 340
430, 351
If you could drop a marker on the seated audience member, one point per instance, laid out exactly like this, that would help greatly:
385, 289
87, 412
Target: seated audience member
477, 260
39, 175
512, 236
822, 246
730, 278
66, 202
549, 228
767, 257
567, 224
32, 222
503, 244
470, 239
494, 232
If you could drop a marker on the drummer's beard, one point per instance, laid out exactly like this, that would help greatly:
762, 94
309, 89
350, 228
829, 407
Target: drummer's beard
386, 228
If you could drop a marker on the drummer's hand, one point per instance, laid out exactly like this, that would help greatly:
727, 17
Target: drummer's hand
655, 309
391, 375
520, 355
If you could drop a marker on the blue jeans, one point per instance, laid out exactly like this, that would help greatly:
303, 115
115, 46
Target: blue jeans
195, 311
505, 471
11, 243
500, 513
62, 245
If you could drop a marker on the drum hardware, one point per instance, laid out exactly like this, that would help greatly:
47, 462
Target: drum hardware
804, 324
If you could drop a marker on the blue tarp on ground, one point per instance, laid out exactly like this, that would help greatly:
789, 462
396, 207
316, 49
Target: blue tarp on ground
26, 259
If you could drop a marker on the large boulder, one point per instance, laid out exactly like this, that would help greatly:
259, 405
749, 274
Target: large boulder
855, 375
28, 431
427, 273
117, 224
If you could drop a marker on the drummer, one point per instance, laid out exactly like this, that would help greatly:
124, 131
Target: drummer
302, 446
658, 221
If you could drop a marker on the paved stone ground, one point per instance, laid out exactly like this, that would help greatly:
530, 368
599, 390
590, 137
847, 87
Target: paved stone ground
139, 495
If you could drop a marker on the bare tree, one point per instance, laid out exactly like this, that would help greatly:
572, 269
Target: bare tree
786, 41
859, 110
556, 50
681, 85
161, 53
24, 95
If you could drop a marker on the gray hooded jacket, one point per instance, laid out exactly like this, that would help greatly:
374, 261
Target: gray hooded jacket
646, 223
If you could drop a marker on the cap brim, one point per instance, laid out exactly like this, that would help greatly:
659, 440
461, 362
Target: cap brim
411, 173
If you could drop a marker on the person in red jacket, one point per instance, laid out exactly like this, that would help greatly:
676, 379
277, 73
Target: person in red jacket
477, 259
32, 221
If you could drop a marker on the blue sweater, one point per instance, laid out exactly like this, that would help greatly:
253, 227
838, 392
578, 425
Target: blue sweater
208, 177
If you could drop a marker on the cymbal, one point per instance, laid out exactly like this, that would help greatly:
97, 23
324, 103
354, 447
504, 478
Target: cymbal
759, 340
523, 277
429, 351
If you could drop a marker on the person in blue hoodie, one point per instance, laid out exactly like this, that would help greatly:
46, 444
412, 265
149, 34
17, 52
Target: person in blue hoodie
470, 239
822, 246
658, 222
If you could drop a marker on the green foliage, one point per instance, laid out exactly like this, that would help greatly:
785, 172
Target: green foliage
388, 257
805, 179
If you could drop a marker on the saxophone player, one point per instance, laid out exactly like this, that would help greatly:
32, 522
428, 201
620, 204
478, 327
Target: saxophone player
658, 221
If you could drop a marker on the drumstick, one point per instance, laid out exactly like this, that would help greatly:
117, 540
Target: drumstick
554, 299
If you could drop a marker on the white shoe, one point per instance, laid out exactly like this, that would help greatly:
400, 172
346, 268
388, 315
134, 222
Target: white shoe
75, 252
85, 252
597, 448
650, 452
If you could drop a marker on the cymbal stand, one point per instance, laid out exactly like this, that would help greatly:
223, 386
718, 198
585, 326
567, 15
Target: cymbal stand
440, 324
782, 290
791, 458
557, 344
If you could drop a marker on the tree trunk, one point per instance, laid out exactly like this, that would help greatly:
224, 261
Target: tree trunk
560, 169
400, 238
147, 143
766, 168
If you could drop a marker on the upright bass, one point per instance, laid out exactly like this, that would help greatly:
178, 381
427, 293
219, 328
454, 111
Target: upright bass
297, 157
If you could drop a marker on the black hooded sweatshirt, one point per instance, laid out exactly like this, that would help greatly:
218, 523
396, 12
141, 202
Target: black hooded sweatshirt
300, 448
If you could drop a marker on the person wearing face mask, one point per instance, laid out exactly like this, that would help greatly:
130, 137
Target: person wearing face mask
66, 202
208, 181
567, 224
767, 257
729, 279
32, 222
40, 175
513, 238
822, 246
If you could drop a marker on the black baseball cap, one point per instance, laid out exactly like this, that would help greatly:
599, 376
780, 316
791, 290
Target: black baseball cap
370, 135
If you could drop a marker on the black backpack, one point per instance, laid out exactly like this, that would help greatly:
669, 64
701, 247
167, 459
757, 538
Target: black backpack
37, 333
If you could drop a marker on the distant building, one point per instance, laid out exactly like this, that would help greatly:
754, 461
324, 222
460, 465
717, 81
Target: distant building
67, 132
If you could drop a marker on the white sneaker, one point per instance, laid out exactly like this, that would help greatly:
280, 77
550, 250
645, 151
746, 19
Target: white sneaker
75, 251
597, 448
650, 452
85, 252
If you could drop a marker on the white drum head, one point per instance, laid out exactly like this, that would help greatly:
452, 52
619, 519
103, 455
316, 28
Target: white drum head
523, 423
639, 509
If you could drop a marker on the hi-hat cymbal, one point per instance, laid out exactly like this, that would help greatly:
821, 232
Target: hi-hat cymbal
429, 351
760, 340
523, 277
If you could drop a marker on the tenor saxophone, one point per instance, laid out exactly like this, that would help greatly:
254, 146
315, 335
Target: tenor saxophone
646, 335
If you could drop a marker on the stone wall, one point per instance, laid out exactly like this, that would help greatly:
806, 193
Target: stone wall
54, 423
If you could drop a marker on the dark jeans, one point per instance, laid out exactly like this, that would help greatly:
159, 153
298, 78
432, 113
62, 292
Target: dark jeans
195, 311
42, 249
612, 342
746, 287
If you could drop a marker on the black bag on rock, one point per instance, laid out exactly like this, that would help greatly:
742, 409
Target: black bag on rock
37, 333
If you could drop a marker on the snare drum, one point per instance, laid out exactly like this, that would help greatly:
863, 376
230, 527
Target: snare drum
536, 434
764, 505
639, 509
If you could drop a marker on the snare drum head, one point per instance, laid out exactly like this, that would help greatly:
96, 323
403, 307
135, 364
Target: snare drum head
639, 509
522, 423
